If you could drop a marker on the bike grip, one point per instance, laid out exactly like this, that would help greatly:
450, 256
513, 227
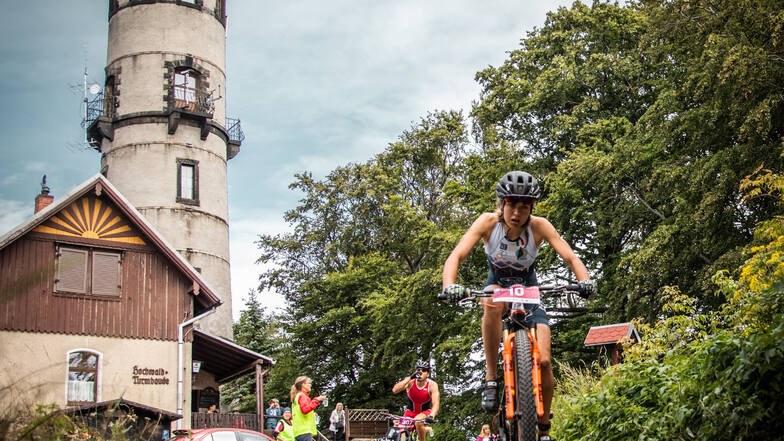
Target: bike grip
442, 296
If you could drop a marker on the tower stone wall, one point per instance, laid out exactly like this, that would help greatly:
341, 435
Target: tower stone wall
164, 129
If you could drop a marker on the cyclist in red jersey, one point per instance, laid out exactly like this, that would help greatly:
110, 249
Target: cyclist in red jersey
423, 397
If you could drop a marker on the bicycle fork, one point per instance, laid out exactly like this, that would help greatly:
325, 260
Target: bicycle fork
509, 353
509, 374
536, 373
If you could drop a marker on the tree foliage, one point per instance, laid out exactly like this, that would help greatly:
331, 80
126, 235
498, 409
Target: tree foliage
699, 375
644, 120
258, 331
657, 130
362, 266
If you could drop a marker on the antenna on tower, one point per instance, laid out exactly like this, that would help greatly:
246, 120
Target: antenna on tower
91, 106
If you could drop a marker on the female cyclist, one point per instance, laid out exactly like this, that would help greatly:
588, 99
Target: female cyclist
511, 237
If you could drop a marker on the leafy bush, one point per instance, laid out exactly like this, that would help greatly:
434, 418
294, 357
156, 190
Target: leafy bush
714, 376
49, 422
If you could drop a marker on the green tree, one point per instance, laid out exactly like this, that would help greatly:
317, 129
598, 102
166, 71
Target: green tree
361, 268
643, 120
730, 362
260, 332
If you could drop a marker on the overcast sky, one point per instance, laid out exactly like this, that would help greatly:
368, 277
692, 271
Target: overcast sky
316, 84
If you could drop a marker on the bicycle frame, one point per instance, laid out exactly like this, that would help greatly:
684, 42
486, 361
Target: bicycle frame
515, 357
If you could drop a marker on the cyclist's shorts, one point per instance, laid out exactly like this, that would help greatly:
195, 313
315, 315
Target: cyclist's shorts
540, 315
506, 277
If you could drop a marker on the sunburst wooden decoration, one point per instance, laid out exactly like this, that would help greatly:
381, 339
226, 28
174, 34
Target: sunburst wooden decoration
92, 218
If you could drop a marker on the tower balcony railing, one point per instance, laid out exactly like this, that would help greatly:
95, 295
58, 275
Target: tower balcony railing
193, 100
235, 130
96, 109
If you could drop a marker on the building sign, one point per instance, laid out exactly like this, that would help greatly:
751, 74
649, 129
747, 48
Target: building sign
150, 375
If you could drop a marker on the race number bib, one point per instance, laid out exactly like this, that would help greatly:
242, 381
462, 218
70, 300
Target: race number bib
517, 294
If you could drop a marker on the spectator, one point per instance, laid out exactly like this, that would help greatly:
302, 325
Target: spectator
212, 409
272, 414
485, 435
337, 423
285, 431
304, 415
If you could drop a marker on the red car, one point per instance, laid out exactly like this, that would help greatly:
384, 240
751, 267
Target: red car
219, 434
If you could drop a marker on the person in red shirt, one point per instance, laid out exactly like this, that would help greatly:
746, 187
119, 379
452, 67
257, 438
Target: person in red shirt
423, 397
304, 417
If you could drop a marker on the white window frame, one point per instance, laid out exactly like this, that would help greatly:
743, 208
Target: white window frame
98, 373
186, 85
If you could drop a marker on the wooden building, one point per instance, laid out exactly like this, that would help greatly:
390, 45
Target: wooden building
96, 306
608, 336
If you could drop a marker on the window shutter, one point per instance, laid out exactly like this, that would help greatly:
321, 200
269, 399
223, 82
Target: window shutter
106, 273
71, 271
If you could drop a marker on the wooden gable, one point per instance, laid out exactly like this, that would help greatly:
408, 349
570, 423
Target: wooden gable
92, 217
91, 264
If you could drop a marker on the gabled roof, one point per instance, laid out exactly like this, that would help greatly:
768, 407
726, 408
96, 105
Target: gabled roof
608, 334
223, 358
98, 184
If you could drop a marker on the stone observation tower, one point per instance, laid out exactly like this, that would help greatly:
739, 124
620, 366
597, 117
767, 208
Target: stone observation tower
162, 129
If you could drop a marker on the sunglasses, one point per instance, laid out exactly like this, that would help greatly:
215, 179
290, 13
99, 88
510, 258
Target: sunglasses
517, 199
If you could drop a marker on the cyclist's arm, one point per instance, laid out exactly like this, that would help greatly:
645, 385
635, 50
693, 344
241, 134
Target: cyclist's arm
564, 250
402, 385
435, 398
479, 229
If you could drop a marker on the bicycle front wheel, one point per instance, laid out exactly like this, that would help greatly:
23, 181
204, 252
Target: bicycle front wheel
524, 389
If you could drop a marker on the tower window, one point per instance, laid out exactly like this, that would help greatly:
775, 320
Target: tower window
188, 181
185, 84
109, 98
83, 369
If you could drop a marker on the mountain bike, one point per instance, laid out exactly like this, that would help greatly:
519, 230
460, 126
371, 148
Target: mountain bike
402, 428
522, 404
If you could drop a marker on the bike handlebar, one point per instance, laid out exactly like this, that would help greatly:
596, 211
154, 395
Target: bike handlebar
575, 288
427, 420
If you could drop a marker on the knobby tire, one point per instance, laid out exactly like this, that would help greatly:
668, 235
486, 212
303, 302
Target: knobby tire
524, 389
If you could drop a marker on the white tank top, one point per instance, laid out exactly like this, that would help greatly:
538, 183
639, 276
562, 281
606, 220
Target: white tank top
516, 255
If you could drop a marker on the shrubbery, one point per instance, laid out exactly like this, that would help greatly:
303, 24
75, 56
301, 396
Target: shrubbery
717, 376
49, 422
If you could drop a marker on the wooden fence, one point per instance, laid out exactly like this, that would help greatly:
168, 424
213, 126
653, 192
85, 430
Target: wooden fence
239, 420
361, 424
366, 423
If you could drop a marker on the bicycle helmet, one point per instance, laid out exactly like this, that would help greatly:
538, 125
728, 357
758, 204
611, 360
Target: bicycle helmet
518, 183
423, 365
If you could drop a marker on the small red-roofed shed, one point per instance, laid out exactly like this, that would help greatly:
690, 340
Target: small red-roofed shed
608, 336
